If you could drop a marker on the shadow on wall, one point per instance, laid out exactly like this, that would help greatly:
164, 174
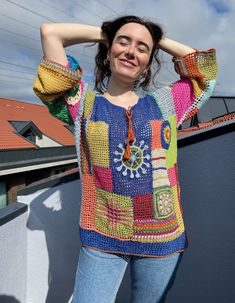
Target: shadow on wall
8, 299
55, 211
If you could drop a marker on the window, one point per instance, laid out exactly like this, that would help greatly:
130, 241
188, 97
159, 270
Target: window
30, 135
70, 128
27, 129
3, 194
230, 103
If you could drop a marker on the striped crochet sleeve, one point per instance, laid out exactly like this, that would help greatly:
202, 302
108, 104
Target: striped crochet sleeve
60, 88
198, 72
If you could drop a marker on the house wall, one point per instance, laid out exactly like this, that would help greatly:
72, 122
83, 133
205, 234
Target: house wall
46, 142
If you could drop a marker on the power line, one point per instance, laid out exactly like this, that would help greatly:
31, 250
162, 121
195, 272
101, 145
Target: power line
105, 5
60, 10
22, 22
27, 47
82, 6
26, 37
15, 71
36, 40
31, 11
15, 64
27, 67
21, 78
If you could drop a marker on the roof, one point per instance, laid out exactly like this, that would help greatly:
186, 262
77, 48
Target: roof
12, 110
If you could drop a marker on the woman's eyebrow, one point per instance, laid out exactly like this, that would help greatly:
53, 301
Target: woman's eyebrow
129, 39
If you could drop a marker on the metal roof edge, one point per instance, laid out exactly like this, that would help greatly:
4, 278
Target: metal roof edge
206, 133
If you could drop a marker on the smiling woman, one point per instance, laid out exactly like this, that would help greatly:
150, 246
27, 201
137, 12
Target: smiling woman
129, 55
127, 150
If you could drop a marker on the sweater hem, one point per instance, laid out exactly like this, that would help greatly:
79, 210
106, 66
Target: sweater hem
107, 244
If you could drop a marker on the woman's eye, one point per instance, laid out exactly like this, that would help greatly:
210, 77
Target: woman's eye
123, 43
141, 50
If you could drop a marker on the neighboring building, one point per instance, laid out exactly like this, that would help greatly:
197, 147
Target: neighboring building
33, 145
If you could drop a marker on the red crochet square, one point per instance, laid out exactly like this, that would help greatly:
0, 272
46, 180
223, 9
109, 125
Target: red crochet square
103, 178
143, 207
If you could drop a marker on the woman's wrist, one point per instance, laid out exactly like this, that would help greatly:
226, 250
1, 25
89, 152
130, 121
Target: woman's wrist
174, 48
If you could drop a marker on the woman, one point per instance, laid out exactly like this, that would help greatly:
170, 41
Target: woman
127, 150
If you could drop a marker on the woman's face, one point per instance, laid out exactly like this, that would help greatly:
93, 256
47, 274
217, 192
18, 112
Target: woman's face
130, 52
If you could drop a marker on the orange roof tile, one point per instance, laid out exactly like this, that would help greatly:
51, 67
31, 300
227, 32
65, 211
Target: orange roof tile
12, 110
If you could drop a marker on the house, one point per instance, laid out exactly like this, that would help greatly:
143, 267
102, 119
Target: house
33, 145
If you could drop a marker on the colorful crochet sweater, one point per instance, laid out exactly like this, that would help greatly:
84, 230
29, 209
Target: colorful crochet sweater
129, 205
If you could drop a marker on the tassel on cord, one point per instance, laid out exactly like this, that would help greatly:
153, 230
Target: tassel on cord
130, 136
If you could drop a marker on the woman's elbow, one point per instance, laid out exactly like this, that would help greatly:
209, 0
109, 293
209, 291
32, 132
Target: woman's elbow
46, 29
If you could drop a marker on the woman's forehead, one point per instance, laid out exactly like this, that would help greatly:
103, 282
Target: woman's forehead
135, 31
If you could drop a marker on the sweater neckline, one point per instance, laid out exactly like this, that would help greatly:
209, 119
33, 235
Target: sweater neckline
120, 106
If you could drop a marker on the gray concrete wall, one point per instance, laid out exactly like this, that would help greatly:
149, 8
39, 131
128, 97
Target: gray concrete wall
13, 252
53, 241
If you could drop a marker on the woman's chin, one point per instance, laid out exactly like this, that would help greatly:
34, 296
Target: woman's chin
126, 77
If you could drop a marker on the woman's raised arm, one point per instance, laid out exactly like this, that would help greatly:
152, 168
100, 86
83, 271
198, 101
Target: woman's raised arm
56, 36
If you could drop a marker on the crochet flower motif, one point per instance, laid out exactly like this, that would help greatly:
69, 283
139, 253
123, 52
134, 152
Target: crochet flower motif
164, 203
138, 162
74, 95
166, 134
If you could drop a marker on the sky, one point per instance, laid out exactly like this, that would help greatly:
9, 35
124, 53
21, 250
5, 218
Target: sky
201, 24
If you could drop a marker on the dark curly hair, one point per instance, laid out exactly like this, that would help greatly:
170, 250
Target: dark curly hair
109, 29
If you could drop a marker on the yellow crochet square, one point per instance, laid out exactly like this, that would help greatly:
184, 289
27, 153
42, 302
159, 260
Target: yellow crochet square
198, 86
207, 65
98, 140
88, 106
114, 215
177, 207
171, 152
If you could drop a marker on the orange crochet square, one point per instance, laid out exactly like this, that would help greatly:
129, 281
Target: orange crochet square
156, 133
88, 202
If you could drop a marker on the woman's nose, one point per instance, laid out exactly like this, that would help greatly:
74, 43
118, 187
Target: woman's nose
130, 52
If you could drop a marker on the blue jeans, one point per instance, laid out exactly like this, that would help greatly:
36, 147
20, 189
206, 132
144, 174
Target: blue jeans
100, 274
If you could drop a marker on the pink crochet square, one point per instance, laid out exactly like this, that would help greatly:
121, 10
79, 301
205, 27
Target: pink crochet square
183, 96
173, 177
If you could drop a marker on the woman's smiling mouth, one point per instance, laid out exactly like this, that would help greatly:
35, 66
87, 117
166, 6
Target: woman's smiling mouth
127, 63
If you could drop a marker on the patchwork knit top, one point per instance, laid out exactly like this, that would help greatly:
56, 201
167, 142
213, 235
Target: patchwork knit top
128, 158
